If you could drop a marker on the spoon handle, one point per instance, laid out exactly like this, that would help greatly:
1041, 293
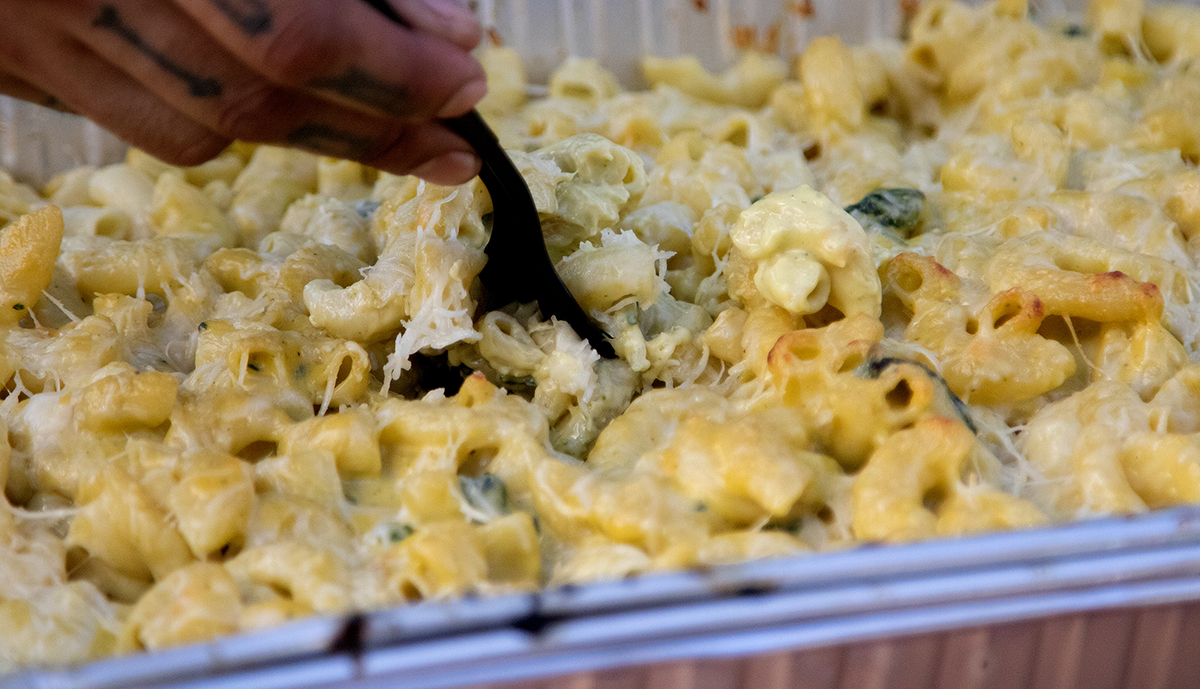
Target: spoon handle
519, 267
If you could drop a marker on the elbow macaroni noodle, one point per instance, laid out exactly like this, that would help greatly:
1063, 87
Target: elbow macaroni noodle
880, 294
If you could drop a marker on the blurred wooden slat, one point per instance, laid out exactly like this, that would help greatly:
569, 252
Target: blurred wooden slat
817, 669
1060, 642
964, 660
917, 660
1011, 655
1185, 671
1152, 650
772, 671
1140, 648
1104, 653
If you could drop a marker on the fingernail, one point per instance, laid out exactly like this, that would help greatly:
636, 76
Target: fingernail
464, 100
452, 10
449, 169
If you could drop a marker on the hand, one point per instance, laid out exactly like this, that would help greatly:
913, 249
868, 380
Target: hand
182, 78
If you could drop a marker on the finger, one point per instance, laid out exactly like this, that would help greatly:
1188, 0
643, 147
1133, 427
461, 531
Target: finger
225, 96
347, 50
449, 20
93, 88
421, 150
23, 90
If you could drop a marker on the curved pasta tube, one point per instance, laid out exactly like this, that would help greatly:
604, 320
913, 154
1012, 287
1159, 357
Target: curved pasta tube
633, 120
795, 280
256, 357
306, 473
16, 199
668, 225
179, 208
693, 171
1141, 354
1163, 469
505, 79
197, 603
123, 526
989, 355
575, 431
71, 359
69, 188
318, 262
600, 562
89, 221
439, 561
1076, 444
228, 420
314, 577
1138, 225
211, 502
100, 265
1081, 277
345, 180
739, 546
422, 279
724, 337
828, 74
605, 182
284, 518
1169, 31
270, 182
28, 249
121, 399
249, 351
648, 425
366, 311
599, 278
329, 221
542, 176
340, 375
124, 187
640, 511
912, 487
350, 435
1117, 24
746, 468
431, 436
513, 553
804, 220
69, 621
583, 79
748, 83
507, 346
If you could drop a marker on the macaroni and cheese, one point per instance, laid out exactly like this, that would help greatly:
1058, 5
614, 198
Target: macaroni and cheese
880, 293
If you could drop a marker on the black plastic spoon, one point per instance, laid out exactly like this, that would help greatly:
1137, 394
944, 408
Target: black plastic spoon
518, 267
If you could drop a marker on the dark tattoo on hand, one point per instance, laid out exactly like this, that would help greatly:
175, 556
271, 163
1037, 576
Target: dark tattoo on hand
358, 85
54, 103
198, 86
253, 17
330, 141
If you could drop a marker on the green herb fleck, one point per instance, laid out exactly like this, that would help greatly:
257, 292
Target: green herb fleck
204, 326
253, 367
19, 307
486, 494
399, 532
890, 209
